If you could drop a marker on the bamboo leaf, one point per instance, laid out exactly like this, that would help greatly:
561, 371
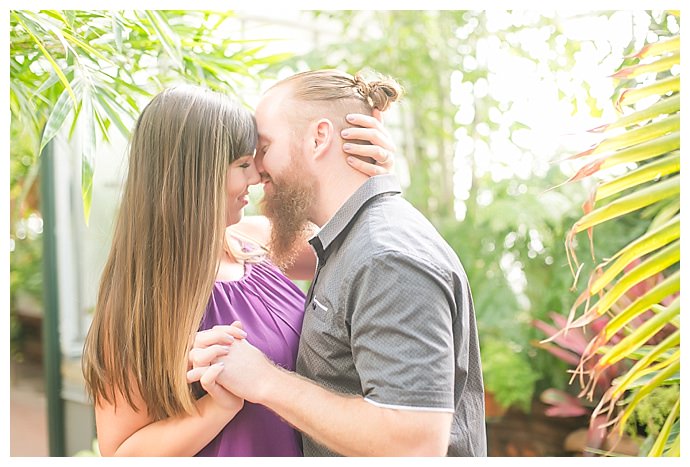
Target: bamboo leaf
653, 171
88, 151
651, 194
56, 119
58, 71
168, 39
114, 116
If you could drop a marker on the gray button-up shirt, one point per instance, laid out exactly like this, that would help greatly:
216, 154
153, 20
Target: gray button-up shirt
389, 316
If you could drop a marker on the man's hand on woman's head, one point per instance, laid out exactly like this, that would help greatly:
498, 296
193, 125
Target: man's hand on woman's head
381, 150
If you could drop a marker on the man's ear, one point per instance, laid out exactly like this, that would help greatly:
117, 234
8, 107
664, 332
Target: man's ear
323, 137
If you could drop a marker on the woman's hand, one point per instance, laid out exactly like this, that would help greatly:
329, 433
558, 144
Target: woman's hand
381, 150
223, 398
208, 346
214, 342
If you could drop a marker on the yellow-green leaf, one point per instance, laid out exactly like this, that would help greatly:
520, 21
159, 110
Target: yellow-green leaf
653, 171
651, 194
640, 336
657, 88
644, 245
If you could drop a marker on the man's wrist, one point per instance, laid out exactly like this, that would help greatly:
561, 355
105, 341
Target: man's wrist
269, 384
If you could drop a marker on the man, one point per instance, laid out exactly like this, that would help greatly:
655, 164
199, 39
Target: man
388, 362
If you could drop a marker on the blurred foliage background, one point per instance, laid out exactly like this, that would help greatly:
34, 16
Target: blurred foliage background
481, 144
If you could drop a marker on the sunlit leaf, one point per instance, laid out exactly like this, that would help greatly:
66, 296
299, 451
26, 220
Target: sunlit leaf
640, 336
663, 289
664, 106
662, 439
657, 66
657, 88
649, 242
652, 171
637, 200
658, 48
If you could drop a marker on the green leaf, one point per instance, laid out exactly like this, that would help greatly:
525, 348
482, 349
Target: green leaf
667, 106
645, 244
168, 39
663, 64
640, 336
661, 378
662, 438
639, 135
663, 289
645, 151
646, 269
655, 170
56, 119
58, 71
623, 382
651, 194
657, 88
659, 48
88, 151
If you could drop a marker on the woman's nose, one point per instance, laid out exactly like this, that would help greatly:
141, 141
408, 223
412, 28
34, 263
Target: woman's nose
253, 176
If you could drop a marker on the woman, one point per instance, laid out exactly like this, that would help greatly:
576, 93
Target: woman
190, 164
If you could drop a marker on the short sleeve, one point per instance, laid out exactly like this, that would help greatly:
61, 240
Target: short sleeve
401, 323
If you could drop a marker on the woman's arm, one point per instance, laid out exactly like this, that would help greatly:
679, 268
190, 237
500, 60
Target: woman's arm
124, 431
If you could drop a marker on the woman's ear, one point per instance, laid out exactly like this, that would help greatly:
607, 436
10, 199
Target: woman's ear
324, 134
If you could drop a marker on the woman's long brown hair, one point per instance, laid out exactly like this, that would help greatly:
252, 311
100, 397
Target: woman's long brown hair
165, 250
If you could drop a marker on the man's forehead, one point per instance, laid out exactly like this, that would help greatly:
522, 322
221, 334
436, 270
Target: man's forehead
268, 109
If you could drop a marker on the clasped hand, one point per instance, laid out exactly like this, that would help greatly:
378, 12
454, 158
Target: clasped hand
226, 365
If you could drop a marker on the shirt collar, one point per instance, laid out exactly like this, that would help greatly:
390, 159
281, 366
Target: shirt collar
373, 187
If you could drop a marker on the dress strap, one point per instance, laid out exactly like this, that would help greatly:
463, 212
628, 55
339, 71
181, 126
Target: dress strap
248, 244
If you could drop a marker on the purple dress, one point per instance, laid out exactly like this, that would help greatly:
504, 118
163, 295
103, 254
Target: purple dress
271, 309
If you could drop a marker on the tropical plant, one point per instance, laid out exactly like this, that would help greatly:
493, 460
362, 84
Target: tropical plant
99, 66
638, 161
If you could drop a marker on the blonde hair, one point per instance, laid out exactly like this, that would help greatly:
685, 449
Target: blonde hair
168, 238
343, 93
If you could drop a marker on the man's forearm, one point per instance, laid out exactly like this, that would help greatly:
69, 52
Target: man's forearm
351, 426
